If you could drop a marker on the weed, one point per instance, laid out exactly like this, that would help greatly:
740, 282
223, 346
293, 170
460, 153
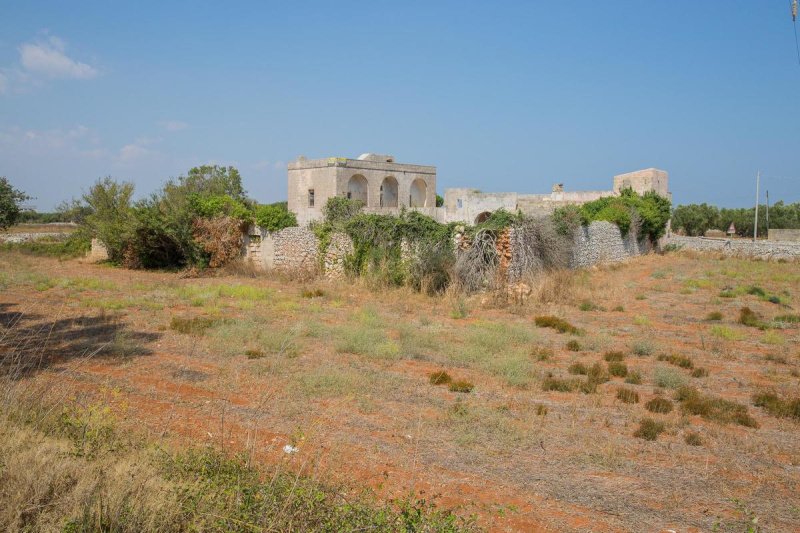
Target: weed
756, 291
597, 373
573, 346
668, 378
626, 395
459, 309
777, 406
541, 410
461, 386
714, 316
618, 369
578, 368
710, 407
748, 317
194, 326
634, 377
619, 309
589, 306
726, 333
560, 385
659, 405
312, 293
641, 320
641, 297
558, 324
440, 378
642, 347
774, 338
692, 438
788, 319
677, 360
776, 358
649, 429
613, 356
254, 353
699, 372
541, 353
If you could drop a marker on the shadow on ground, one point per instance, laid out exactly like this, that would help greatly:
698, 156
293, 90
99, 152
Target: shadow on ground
31, 343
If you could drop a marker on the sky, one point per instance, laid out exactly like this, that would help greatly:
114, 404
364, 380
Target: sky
499, 96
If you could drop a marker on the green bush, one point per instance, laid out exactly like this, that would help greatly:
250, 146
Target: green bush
659, 405
10, 203
650, 210
649, 429
440, 378
626, 395
558, 324
713, 408
274, 217
618, 369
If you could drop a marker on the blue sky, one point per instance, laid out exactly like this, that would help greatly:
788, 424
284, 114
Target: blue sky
500, 96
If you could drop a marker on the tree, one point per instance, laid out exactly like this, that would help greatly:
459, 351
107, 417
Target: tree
275, 217
111, 220
10, 203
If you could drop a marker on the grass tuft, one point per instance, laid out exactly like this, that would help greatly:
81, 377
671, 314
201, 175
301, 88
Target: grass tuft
618, 369
777, 406
626, 395
649, 429
573, 346
558, 324
714, 316
440, 377
634, 377
677, 360
714, 408
461, 385
693, 438
659, 405
193, 326
613, 356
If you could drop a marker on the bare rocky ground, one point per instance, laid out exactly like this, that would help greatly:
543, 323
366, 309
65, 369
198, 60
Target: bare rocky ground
257, 364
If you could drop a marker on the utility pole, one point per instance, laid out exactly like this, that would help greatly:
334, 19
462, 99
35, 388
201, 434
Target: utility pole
767, 213
755, 222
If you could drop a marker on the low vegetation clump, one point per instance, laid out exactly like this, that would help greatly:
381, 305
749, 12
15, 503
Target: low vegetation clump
777, 406
634, 377
618, 369
193, 326
578, 368
440, 377
558, 324
726, 333
588, 306
714, 408
552, 383
714, 316
659, 405
750, 318
541, 410
692, 438
254, 353
542, 353
643, 348
677, 360
649, 429
461, 385
595, 376
668, 378
626, 395
699, 372
312, 293
613, 356
788, 319
573, 346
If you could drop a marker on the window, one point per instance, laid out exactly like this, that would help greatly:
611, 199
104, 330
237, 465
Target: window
460, 203
310, 197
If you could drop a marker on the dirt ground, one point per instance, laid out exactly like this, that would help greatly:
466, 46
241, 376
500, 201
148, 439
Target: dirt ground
342, 374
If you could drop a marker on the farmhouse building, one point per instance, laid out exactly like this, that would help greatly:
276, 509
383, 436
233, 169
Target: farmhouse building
385, 186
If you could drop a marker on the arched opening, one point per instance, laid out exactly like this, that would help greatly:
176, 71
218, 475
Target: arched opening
483, 217
389, 192
357, 188
418, 194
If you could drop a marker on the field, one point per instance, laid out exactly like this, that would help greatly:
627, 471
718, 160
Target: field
631, 397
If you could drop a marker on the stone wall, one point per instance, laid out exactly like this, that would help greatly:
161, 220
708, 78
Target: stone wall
340, 247
98, 252
789, 235
603, 242
295, 249
736, 247
18, 238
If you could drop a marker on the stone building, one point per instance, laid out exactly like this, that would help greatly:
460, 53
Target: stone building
386, 186
377, 180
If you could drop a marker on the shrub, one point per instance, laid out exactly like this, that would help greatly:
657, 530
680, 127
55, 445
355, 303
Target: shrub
668, 378
578, 369
699, 372
649, 429
613, 356
10, 203
440, 378
619, 309
541, 409
788, 319
713, 408
559, 385
714, 316
573, 346
693, 438
274, 217
659, 405
677, 360
626, 395
634, 377
542, 353
254, 354
461, 386
642, 347
777, 406
558, 324
748, 317
111, 219
597, 373
618, 369
220, 238
312, 293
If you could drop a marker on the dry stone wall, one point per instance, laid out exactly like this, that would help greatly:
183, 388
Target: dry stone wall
737, 247
295, 249
603, 242
340, 247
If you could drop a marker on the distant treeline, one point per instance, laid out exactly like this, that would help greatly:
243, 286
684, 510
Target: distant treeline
696, 219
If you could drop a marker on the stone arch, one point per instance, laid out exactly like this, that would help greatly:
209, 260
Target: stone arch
389, 194
358, 188
483, 217
418, 194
